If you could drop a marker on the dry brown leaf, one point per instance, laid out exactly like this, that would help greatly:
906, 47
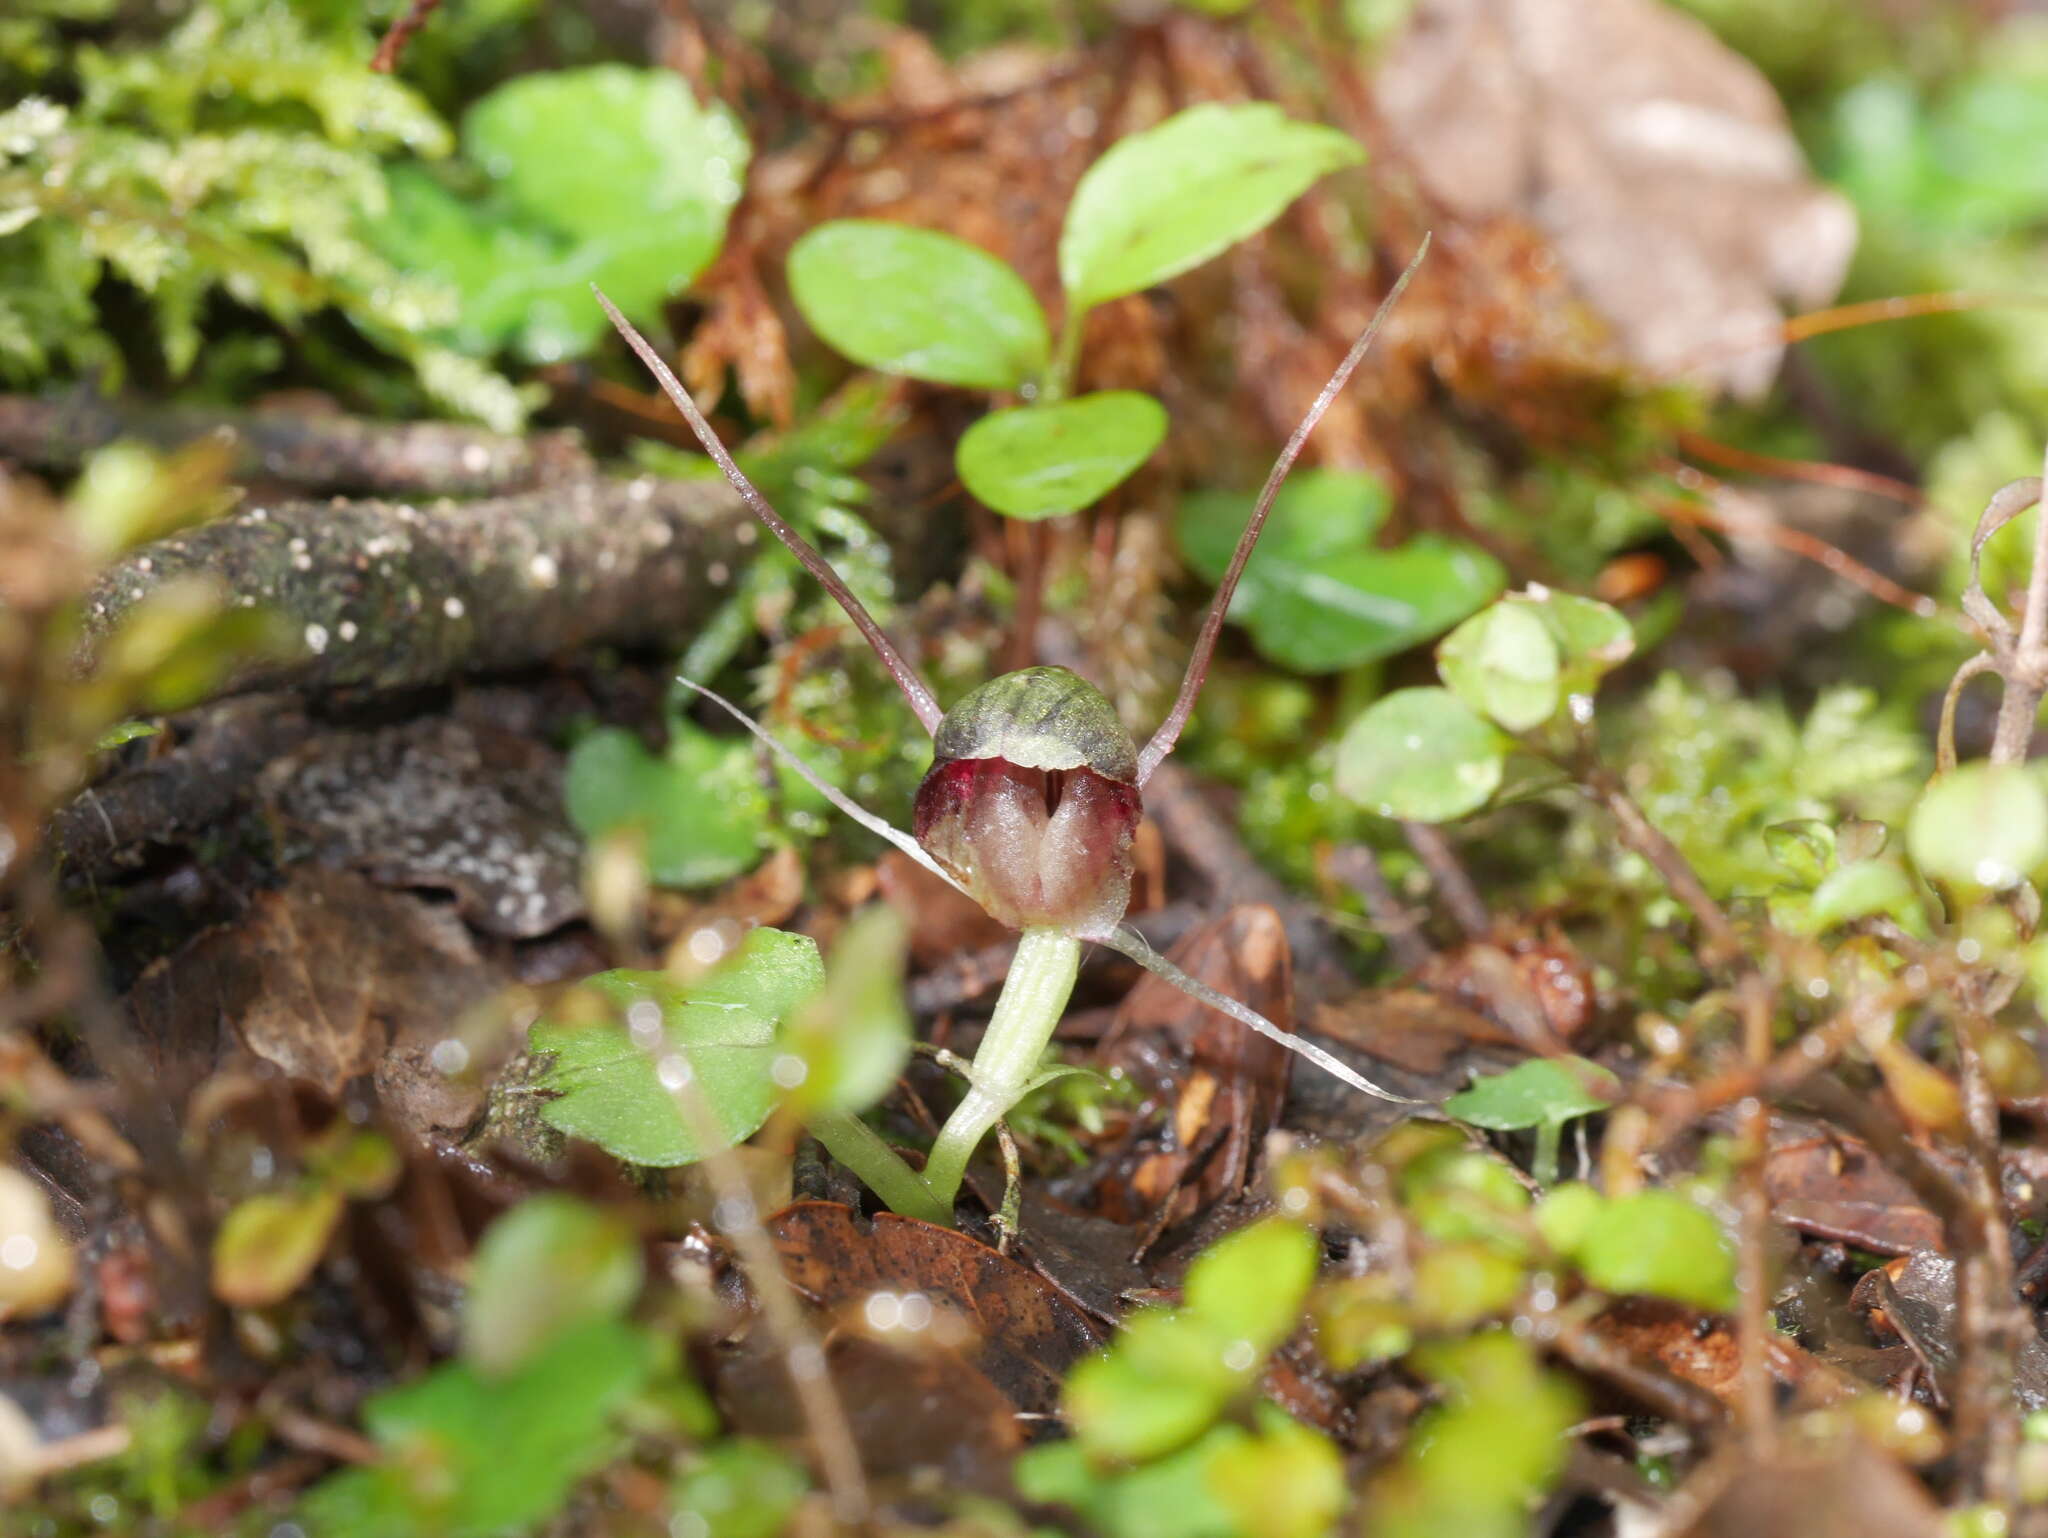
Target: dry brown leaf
327, 978
1226, 1084
1847, 1491
1025, 1335
1829, 1184
1413, 1028
1659, 164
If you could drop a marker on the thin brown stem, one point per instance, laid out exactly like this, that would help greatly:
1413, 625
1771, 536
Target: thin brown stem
1990, 1324
1945, 734
1753, 1279
1449, 878
922, 702
401, 33
1847, 317
1643, 836
1176, 720
1358, 867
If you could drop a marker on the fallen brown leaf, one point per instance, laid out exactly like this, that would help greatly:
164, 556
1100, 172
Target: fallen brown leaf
1026, 1335
1658, 163
326, 978
1226, 1084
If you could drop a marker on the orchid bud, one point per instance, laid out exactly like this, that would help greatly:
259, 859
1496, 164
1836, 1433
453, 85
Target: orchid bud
1031, 802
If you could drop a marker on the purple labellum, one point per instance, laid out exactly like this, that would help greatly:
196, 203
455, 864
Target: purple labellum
1032, 801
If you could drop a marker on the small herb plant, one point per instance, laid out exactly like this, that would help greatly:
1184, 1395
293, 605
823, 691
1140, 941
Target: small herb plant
1032, 799
926, 305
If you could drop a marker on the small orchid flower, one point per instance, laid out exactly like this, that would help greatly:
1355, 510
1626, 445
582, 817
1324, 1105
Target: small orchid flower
1034, 794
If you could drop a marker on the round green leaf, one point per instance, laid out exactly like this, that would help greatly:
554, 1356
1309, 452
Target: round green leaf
1251, 1285
270, 1244
622, 162
1545, 1091
1316, 595
1420, 754
852, 1038
1591, 636
1567, 1214
549, 1264
1658, 1244
1162, 201
739, 1487
1041, 461
1983, 825
699, 807
608, 1078
917, 302
1503, 661
1287, 1482
1859, 890
470, 1456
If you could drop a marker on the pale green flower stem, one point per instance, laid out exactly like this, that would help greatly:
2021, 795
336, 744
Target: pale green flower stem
880, 1168
1034, 996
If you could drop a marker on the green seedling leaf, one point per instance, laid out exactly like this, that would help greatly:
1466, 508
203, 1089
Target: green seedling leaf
699, 807
1160, 1386
1361, 1320
172, 648
127, 494
550, 1264
1420, 754
1567, 1214
1252, 1284
270, 1244
916, 302
363, 1165
1459, 1195
469, 1456
1286, 1481
1162, 201
517, 282
1545, 1091
739, 1487
1479, 1461
607, 175
1173, 1370
1655, 1243
623, 161
1459, 1285
1592, 638
1316, 595
122, 733
1804, 846
852, 1039
612, 1078
1037, 462
1983, 825
1861, 890
1169, 1498
1503, 662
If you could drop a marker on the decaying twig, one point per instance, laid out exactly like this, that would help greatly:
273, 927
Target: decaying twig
309, 451
392, 595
